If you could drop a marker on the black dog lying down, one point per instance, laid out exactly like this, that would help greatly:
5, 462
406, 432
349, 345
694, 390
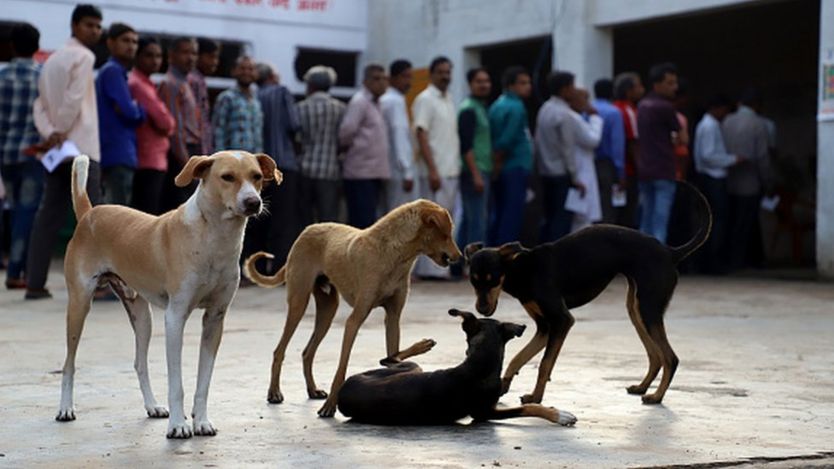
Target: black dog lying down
402, 394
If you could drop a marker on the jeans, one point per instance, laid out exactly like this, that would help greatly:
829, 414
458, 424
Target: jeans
714, 257
277, 227
557, 220
117, 185
473, 226
510, 193
320, 200
362, 197
147, 190
656, 199
24, 189
52, 214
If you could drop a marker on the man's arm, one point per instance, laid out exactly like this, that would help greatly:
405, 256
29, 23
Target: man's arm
351, 122
75, 82
422, 121
115, 89
618, 144
397, 118
157, 114
258, 124
707, 149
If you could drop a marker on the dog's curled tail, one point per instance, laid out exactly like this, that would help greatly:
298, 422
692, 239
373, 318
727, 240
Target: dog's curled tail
80, 200
704, 224
266, 281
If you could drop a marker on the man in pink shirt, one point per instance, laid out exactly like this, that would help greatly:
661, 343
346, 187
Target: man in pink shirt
65, 110
364, 134
152, 137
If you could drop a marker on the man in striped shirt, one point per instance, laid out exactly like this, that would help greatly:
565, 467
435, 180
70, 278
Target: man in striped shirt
320, 116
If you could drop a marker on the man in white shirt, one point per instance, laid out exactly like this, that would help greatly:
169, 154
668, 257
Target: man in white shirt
400, 188
65, 111
711, 162
435, 121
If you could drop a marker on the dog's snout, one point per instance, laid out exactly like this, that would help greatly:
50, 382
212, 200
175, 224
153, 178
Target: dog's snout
252, 205
484, 308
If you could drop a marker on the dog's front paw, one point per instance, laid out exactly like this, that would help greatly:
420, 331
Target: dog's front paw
157, 412
564, 418
179, 430
531, 399
65, 414
204, 428
274, 397
637, 389
652, 399
328, 410
317, 394
423, 346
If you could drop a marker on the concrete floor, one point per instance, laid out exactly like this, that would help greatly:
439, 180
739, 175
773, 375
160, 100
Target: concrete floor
755, 381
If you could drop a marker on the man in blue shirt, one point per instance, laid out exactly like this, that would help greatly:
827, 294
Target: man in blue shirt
513, 156
118, 116
610, 154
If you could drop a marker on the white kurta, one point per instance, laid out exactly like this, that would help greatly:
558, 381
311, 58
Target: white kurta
588, 136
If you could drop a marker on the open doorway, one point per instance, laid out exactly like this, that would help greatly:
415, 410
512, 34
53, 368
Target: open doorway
773, 46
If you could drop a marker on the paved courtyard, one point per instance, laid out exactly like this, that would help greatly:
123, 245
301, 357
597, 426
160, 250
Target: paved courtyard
755, 386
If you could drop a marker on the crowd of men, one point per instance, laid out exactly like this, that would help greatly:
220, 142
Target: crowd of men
595, 158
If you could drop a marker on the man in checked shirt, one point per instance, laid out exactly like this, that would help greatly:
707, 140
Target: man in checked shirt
320, 116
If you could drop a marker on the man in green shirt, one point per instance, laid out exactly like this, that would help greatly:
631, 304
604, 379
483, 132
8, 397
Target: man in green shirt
513, 156
476, 152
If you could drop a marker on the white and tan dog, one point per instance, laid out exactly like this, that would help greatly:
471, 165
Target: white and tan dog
182, 260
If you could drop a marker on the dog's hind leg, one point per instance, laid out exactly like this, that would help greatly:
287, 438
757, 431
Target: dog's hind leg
327, 302
139, 313
652, 307
648, 343
298, 296
561, 322
418, 348
536, 344
80, 297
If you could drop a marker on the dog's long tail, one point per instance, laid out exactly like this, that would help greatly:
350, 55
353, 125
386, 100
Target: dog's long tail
266, 281
80, 200
704, 215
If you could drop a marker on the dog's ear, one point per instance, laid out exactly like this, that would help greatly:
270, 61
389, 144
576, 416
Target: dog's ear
269, 169
510, 250
195, 168
436, 217
511, 330
471, 249
470, 322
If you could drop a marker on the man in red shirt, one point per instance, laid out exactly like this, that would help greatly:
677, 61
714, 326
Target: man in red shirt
628, 89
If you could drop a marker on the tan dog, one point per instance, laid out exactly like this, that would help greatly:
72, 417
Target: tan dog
370, 267
182, 260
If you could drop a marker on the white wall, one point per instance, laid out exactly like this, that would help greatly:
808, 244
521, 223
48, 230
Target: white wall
613, 12
273, 33
825, 155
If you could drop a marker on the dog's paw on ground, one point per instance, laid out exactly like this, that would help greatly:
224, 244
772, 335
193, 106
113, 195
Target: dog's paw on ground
423, 346
179, 430
157, 412
328, 410
651, 399
636, 389
65, 415
565, 418
204, 428
275, 397
317, 394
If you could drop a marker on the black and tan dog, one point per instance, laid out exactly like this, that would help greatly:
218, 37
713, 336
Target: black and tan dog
402, 394
553, 278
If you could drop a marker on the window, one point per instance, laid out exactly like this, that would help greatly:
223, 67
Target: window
343, 62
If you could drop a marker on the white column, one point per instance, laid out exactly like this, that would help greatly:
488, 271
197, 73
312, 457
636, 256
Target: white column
580, 47
825, 152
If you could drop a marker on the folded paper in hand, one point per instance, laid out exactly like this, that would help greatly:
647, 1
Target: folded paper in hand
575, 202
57, 154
